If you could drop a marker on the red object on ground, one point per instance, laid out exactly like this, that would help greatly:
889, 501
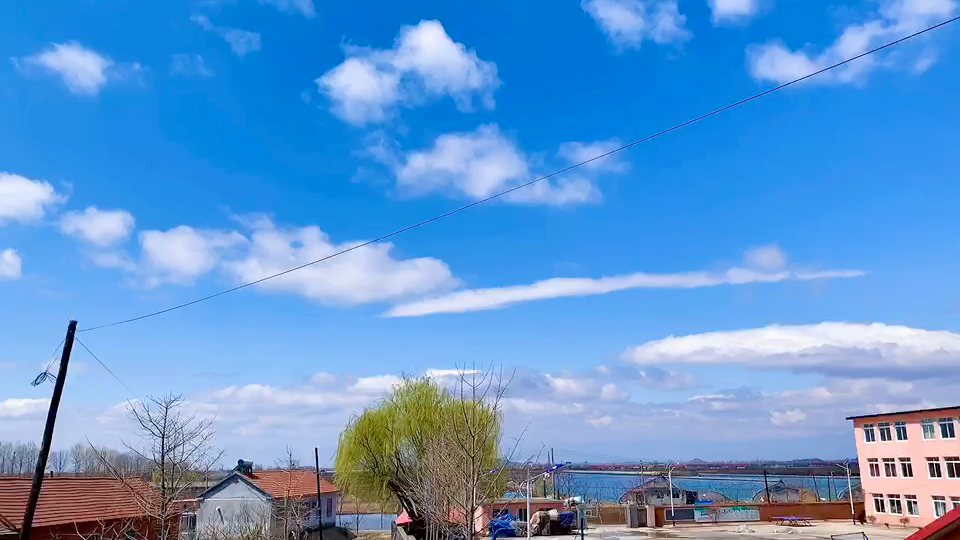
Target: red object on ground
944, 527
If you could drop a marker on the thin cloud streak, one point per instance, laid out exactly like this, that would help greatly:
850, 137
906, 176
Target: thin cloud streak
498, 297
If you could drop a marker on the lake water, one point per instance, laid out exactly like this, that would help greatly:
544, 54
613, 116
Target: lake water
366, 522
610, 487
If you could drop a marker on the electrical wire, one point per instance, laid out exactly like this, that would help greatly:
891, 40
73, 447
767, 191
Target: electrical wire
46, 375
110, 371
534, 181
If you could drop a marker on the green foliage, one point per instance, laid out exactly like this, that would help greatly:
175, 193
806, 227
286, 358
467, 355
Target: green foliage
385, 452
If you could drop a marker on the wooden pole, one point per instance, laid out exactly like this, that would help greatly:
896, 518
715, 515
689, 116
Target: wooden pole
48, 434
316, 461
766, 485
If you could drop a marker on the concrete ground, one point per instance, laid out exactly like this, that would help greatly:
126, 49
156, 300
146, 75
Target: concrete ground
760, 531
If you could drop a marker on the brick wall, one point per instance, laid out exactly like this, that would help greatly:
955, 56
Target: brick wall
817, 511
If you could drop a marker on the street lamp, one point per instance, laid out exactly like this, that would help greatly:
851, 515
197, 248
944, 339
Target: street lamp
673, 514
544, 474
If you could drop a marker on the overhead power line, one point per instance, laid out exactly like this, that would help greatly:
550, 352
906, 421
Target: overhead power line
530, 183
104, 366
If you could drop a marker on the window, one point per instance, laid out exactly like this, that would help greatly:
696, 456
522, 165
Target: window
954, 502
188, 525
906, 467
884, 431
874, 465
881, 507
939, 505
868, 434
913, 508
946, 428
933, 467
889, 467
896, 507
953, 466
901, 430
330, 507
522, 513
929, 429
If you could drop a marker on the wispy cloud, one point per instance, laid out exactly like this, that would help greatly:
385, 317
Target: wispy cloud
83, 70
764, 266
242, 42
628, 23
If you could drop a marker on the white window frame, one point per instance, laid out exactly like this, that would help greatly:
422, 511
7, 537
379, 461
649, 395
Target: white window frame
912, 505
873, 466
906, 465
952, 463
954, 502
886, 435
889, 465
947, 428
891, 499
900, 430
879, 503
939, 467
930, 423
869, 433
939, 499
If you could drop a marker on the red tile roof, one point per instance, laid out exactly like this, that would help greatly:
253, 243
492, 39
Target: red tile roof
941, 525
65, 500
284, 483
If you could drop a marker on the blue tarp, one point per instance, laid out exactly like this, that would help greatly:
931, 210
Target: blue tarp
502, 526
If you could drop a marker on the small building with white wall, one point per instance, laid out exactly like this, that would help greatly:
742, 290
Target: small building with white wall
247, 501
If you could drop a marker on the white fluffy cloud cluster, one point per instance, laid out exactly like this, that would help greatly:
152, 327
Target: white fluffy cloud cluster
480, 163
83, 70
774, 61
628, 23
423, 65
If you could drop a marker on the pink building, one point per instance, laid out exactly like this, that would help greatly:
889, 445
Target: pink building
909, 464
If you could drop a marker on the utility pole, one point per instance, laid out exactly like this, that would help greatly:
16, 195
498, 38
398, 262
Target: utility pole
766, 485
48, 433
316, 461
853, 512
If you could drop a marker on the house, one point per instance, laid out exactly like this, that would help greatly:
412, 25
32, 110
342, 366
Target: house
909, 464
657, 492
73, 507
247, 501
945, 527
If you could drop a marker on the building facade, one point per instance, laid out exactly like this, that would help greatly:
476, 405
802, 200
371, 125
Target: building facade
250, 502
909, 464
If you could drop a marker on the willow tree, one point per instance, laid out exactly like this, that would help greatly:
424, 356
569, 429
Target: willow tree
432, 446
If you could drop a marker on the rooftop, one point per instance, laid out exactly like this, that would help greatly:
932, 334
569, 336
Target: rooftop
914, 411
286, 483
942, 525
70, 500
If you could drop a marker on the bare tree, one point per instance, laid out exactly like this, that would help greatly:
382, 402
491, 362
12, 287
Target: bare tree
177, 450
58, 461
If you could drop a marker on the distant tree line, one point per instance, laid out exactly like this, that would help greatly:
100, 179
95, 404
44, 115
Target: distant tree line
18, 457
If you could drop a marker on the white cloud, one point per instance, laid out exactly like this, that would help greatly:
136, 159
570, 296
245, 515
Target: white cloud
367, 274
612, 392
774, 61
99, 227
832, 348
725, 11
770, 258
182, 254
498, 297
785, 418
628, 23
423, 66
83, 70
189, 65
437, 373
480, 163
600, 421
17, 407
375, 385
11, 266
23, 199
303, 7
242, 42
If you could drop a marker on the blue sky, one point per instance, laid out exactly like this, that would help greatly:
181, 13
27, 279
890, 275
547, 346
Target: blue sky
800, 247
